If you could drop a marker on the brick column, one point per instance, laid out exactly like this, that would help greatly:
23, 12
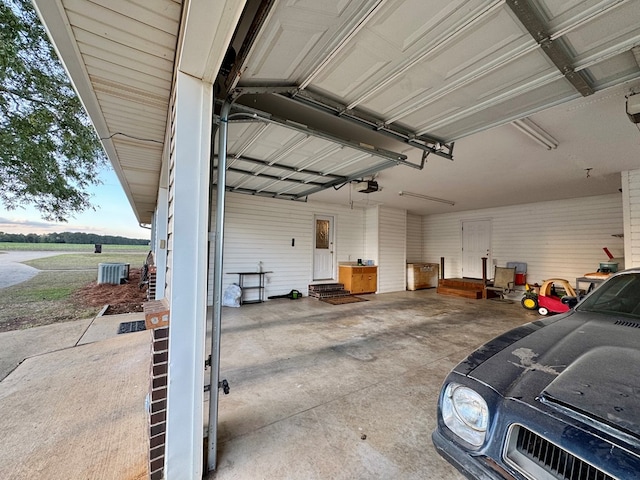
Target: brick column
156, 315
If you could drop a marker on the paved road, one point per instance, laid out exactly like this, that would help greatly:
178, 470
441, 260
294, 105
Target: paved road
13, 272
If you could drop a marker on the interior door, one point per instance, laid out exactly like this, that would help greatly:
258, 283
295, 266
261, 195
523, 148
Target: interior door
323, 252
476, 243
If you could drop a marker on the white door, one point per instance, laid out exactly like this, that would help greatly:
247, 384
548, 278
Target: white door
476, 243
323, 248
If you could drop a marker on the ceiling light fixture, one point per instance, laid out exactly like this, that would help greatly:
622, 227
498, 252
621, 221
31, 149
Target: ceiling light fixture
425, 197
536, 133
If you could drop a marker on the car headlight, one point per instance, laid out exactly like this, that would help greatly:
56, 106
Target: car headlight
465, 412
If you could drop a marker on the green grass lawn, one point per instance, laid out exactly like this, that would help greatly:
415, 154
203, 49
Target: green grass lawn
72, 247
84, 261
49, 296
45, 299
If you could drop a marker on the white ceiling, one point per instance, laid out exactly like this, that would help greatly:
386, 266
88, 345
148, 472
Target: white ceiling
441, 70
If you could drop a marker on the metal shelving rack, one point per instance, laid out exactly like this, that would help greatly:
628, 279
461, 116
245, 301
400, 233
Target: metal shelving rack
246, 288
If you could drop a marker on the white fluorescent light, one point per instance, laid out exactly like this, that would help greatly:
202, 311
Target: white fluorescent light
425, 197
535, 132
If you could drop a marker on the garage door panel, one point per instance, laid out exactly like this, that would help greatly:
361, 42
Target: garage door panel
276, 58
513, 107
357, 65
491, 87
359, 72
613, 69
298, 36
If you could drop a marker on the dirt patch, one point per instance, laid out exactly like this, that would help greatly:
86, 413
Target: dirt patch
125, 298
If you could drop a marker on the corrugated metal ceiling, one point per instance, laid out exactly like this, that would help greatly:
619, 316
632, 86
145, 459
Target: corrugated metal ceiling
284, 160
445, 69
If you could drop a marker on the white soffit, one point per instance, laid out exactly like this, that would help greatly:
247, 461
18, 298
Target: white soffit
443, 68
120, 57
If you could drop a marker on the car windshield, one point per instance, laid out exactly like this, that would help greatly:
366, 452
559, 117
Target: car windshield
618, 295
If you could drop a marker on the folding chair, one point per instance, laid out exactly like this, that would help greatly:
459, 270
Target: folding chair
504, 281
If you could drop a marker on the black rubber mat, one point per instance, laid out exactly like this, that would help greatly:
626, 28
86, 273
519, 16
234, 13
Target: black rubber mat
129, 327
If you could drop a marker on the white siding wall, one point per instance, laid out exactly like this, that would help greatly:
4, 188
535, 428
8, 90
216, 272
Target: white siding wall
261, 229
414, 238
170, 195
556, 239
371, 228
631, 196
392, 238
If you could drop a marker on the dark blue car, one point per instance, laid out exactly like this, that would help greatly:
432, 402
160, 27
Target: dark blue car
553, 399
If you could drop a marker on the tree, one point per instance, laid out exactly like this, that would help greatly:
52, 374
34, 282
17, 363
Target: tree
49, 152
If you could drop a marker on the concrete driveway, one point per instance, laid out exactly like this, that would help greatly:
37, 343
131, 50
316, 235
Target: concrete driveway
13, 272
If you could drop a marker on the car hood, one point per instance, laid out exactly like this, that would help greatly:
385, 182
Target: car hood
584, 363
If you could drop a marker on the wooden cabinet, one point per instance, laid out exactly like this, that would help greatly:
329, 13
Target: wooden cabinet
358, 279
422, 275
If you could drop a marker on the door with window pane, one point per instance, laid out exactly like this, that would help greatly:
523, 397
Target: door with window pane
323, 248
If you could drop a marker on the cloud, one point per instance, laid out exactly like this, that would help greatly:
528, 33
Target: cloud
14, 223
24, 226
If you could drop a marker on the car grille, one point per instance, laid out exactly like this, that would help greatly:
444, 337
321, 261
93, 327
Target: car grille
625, 323
536, 457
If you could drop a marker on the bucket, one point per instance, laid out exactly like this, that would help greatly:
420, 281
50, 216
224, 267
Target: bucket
521, 278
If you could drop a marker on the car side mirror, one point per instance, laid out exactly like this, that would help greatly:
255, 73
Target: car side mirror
571, 301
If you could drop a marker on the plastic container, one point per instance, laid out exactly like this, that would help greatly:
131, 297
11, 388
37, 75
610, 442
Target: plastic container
521, 272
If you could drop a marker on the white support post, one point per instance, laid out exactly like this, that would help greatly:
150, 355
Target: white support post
189, 194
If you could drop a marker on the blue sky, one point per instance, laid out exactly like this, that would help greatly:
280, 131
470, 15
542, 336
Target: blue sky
113, 215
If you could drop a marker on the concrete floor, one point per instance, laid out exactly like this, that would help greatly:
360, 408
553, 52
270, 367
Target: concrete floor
72, 397
323, 391
318, 391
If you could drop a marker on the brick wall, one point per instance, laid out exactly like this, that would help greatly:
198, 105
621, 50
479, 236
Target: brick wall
158, 403
157, 320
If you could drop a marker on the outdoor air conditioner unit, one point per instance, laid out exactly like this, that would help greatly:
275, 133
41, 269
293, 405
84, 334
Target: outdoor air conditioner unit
113, 273
367, 186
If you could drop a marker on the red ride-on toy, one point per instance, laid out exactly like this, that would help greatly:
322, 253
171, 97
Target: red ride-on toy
549, 299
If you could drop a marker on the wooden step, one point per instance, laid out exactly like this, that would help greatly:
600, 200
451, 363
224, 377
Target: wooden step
461, 283
322, 287
460, 292
328, 290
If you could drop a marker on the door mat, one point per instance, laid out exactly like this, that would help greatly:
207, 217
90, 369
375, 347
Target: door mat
129, 327
343, 300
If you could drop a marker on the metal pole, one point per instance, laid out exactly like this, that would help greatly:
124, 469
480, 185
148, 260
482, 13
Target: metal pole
217, 287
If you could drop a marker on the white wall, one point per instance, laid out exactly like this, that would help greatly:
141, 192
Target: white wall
414, 238
556, 239
631, 211
392, 240
371, 226
260, 229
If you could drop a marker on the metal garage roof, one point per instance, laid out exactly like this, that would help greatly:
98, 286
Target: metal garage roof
445, 69
282, 159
